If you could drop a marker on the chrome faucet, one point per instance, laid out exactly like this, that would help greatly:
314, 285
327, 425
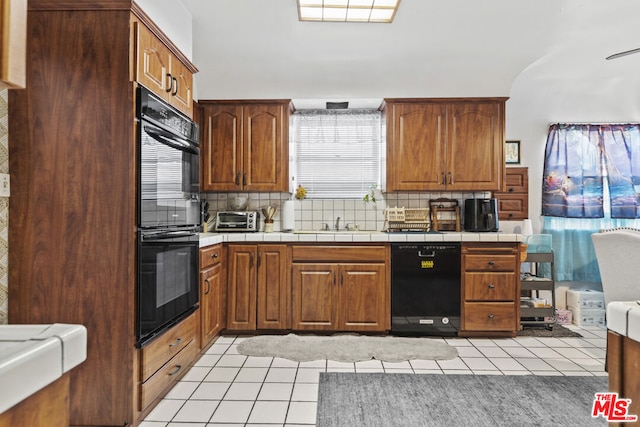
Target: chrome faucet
325, 226
338, 224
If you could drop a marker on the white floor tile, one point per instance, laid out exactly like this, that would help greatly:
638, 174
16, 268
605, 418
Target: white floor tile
534, 364
257, 362
458, 342
396, 365
507, 342
196, 411
189, 424
211, 391
479, 364
208, 360
398, 371
183, 390
369, 370
232, 412
309, 375
197, 373
226, 339
469, 352
427, 371
424, 364
243, 391
218, 348
334, 364
507, 364
518, 352
281, 375
493, 352
165, 410
341, 369
251, 375
301, 413
279, 362
314, 364
564, 365
276, 391
545, 352
232, 350
482, 342
457, 372
528, 342
231, 360
456, 363
305, 393
222, 374
152, 424
269, 412
589, 364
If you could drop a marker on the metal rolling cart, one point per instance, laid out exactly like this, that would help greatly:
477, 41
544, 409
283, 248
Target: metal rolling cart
533, 310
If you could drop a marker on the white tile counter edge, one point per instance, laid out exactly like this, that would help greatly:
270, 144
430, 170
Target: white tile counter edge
34, 356
208, 239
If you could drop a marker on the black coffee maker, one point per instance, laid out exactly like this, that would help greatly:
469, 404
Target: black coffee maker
481, 215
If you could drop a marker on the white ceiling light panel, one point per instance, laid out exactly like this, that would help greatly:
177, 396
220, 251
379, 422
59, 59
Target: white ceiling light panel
347, 10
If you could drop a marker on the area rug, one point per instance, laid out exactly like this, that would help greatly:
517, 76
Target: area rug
346, 348
376, 399
558, 331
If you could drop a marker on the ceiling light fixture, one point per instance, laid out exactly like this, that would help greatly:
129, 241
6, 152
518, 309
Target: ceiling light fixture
347, 10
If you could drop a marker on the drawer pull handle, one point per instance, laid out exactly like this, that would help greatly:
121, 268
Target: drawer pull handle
175, 370
491, 286
490, 316
491, 262
208, 286
178, 341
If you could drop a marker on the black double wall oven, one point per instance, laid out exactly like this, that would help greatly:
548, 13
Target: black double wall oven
169, 216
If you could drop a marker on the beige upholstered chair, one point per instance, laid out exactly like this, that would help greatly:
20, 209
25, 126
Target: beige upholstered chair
618, 254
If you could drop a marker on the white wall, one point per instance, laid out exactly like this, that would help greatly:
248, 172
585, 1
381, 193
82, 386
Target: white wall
174, 20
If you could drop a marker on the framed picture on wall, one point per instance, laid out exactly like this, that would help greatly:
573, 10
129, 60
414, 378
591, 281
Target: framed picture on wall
512, 152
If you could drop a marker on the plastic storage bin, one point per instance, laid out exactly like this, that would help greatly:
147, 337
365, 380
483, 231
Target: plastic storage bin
587, 299
588, 317
538, 243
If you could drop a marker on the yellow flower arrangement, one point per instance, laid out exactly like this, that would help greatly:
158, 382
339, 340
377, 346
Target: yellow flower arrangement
301, 192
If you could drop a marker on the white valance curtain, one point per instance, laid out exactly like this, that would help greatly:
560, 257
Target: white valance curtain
338, 153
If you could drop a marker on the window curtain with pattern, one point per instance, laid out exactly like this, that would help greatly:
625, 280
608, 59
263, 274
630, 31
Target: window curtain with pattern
591, 182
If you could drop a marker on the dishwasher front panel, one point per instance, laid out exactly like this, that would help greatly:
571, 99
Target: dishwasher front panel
425, 289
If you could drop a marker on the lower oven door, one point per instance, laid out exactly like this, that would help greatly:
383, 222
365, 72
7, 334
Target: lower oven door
167, 280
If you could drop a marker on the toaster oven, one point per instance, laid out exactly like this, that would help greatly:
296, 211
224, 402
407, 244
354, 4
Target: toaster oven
245, 221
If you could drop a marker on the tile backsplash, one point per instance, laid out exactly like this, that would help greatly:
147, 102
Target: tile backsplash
311, 214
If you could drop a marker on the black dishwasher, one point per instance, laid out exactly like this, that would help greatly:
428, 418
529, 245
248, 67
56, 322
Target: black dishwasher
425, 289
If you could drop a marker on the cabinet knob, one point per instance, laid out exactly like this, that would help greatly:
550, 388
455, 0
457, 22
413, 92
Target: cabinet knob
491, 262
177, 342
510, 215
511, 190
490, 316
214, 255
491, 286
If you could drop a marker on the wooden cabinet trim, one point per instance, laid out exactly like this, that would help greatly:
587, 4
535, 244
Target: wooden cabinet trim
13, 44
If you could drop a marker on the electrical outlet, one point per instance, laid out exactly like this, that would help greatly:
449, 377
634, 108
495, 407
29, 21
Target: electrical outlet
5, 187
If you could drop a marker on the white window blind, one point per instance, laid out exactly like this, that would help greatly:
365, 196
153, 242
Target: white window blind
337, 152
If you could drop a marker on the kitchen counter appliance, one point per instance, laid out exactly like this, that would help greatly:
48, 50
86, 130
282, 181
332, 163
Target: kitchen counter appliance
425, 289
480, 215
244, 221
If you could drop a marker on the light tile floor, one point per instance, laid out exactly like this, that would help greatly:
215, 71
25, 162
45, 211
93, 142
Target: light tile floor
225, 388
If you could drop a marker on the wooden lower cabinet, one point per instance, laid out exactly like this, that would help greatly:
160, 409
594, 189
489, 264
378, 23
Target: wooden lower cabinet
213, 292
258, 291
165, 360
623, 362
490, 289
330, 295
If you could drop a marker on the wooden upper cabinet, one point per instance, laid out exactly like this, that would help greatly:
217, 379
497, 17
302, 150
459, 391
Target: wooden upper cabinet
160, 71
445, 144
13, 43
245, 146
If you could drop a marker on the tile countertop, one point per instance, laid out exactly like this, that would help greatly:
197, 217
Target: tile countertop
34, 356
208, 239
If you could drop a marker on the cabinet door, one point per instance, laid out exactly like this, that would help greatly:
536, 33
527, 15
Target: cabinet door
182, 89
475, 143
265, 151
211, 295
415, 150
241, 293
362, 297
313, 287
221, 149
153, 62
273, 292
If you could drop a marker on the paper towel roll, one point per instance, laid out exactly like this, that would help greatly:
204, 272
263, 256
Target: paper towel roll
527, 229
288, 216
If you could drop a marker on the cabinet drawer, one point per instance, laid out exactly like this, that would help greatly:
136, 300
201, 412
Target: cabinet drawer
170, 372
517, 180
489, 286
489, 316
160, 351
339, 253
489, 262
513, 206
210, 255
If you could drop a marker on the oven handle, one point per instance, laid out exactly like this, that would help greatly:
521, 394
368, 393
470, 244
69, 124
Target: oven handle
167, 235
431, 254
170, 140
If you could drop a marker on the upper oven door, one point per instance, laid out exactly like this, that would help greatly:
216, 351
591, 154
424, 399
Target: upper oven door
168, 178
